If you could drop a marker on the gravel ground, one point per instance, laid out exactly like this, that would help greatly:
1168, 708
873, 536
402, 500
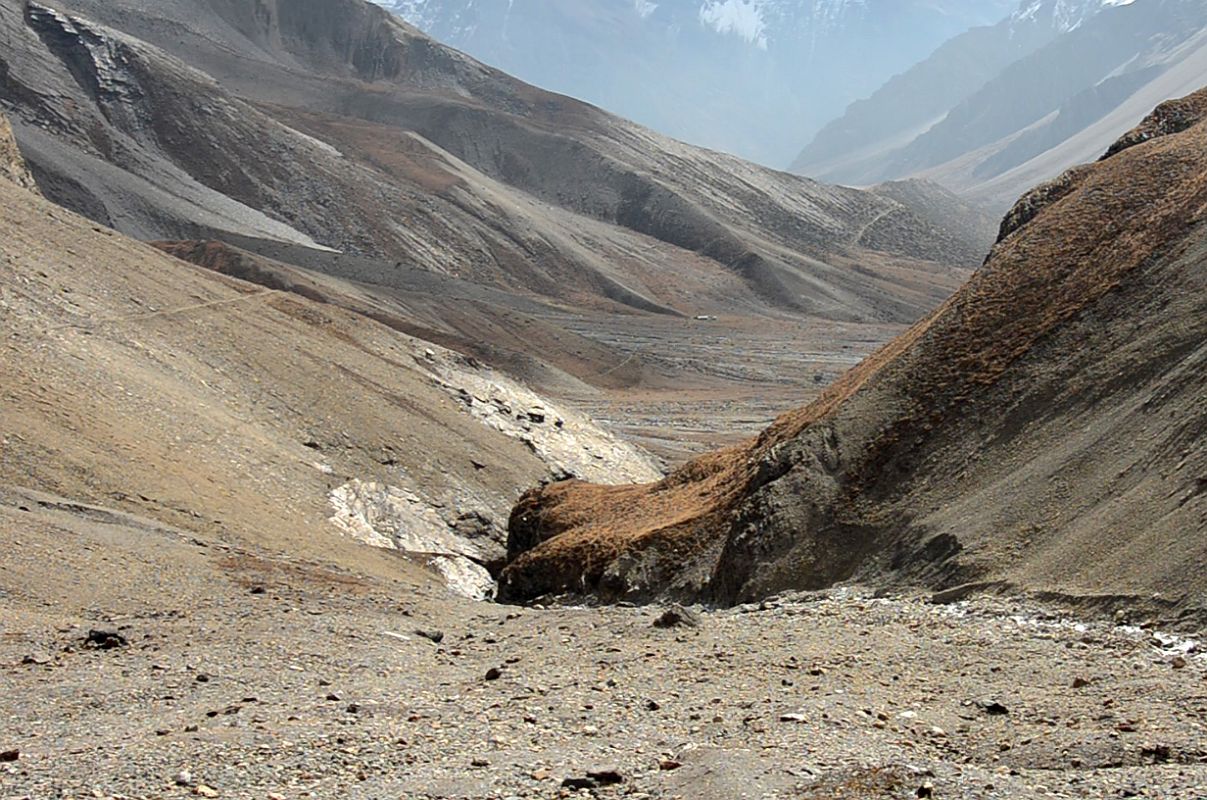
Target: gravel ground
245, 675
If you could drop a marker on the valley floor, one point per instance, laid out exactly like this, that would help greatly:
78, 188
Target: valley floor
266, 678
711, 383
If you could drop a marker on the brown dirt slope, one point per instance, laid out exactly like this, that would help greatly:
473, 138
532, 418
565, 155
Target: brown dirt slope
497, 327
145, 384
1043, 428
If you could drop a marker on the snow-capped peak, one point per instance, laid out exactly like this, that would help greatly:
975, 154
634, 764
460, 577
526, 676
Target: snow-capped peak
1067, 15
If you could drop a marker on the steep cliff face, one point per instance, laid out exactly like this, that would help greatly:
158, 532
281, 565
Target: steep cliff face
1044, 427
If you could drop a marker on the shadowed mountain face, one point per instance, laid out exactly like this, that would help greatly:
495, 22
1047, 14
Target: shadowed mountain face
1044, 427
996, 110
333, 124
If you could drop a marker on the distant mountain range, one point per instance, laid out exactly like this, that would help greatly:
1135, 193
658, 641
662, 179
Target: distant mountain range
297, 125
750, 77
997, 109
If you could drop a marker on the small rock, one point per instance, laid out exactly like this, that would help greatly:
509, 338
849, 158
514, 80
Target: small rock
606, 777
578, 783
201, 790
994, 709
669, 765
433, 636
201, 677
183, 778
493, 674
677, 616
10, 755
1080, 683
1178, 662
926, 790
652, 705
479, 762
258, 590
1157, 754
594, 779
793, 718
333, 697
105, 640
540, 775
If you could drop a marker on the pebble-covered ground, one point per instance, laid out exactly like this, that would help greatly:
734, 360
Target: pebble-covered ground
238, 675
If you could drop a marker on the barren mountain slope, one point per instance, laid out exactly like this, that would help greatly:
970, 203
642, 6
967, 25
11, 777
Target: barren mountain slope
998, 110
484, 177
750, 78
850, 148
508, 331
1044, 428
140, 382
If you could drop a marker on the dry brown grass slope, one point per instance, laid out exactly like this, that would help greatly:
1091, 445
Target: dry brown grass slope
1044, 427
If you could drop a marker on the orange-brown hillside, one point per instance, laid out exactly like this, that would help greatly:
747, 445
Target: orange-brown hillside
1043, 427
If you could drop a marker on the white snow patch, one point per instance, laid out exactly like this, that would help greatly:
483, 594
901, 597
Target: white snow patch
742, 18
1068, 15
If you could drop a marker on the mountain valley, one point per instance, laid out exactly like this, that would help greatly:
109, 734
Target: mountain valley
375, 424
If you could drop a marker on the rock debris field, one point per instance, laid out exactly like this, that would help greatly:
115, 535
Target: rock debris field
230, 673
